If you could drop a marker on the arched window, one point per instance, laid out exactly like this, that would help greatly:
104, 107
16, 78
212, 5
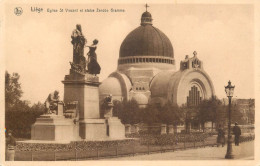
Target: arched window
194, 98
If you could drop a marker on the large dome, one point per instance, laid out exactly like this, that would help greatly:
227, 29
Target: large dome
146, 47
146, 40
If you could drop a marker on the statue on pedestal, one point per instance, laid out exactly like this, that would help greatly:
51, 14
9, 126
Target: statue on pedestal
93, 66
51, 103
108, 106
78, 41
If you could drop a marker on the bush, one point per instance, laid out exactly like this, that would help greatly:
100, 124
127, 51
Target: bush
168, 139
245, 138
78, 145
20, 122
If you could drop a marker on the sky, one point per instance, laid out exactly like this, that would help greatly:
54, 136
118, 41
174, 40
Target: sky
38, 45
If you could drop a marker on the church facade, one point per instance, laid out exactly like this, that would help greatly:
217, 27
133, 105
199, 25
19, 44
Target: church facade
146, 71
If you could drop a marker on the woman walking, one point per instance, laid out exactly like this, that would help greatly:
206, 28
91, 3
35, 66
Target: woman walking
221, 136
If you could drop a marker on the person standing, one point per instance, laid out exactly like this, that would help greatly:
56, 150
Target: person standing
237, 133
10, 147
221, 136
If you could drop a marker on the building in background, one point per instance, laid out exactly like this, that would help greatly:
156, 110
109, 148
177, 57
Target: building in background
147, 73
243, 111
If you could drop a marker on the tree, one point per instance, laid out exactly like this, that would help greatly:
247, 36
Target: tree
171, 114
151, 114
19, 116
207, 110
128, 112
13, 91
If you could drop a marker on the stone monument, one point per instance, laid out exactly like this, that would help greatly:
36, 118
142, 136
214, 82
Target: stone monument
54, 127
80, 118
83, 86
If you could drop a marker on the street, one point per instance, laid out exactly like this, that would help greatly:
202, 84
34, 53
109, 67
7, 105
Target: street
244, 151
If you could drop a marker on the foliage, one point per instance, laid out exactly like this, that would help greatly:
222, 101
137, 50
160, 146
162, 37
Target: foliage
13, 91
171, 114
169, 139
20, 120
208, 110
19, 115
128, 111
151, 114
237, 116
245, 138
78, 145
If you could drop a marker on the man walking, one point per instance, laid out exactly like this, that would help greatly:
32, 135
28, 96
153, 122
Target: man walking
237, 133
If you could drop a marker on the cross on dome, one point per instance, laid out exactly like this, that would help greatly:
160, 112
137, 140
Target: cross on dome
146, 6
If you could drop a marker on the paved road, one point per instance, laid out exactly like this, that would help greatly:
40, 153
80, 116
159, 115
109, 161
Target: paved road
245, 152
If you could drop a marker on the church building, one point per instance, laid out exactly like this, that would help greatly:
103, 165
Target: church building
146, 71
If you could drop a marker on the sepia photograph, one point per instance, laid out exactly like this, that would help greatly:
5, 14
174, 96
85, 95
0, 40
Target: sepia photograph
128, 81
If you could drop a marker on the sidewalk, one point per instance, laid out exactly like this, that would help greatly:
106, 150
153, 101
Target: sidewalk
245, 151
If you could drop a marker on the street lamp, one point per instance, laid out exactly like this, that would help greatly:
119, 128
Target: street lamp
229, 89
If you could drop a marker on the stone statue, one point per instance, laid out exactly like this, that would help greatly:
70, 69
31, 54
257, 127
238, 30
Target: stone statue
78, 41
51, 103
108, 99
93, 66
108, 112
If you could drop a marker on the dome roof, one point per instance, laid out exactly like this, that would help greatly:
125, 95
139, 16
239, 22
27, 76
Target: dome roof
116, 84
110, 85
140, 98
146, 40
146, 14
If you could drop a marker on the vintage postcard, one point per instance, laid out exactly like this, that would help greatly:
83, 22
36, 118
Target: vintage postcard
133, 83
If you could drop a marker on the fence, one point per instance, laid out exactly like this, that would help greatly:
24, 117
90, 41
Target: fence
135, 147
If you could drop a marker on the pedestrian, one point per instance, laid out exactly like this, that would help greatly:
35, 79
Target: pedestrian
237, 133
221, 136
10, 147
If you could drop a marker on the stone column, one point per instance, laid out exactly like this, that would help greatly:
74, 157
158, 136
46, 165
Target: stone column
163, 129
171, 131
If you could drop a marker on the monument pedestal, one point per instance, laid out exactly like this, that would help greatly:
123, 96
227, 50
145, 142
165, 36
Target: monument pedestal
54, 128
84, 90
116, 130
92, 129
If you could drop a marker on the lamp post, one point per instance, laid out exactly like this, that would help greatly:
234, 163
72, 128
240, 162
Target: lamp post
229, 89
